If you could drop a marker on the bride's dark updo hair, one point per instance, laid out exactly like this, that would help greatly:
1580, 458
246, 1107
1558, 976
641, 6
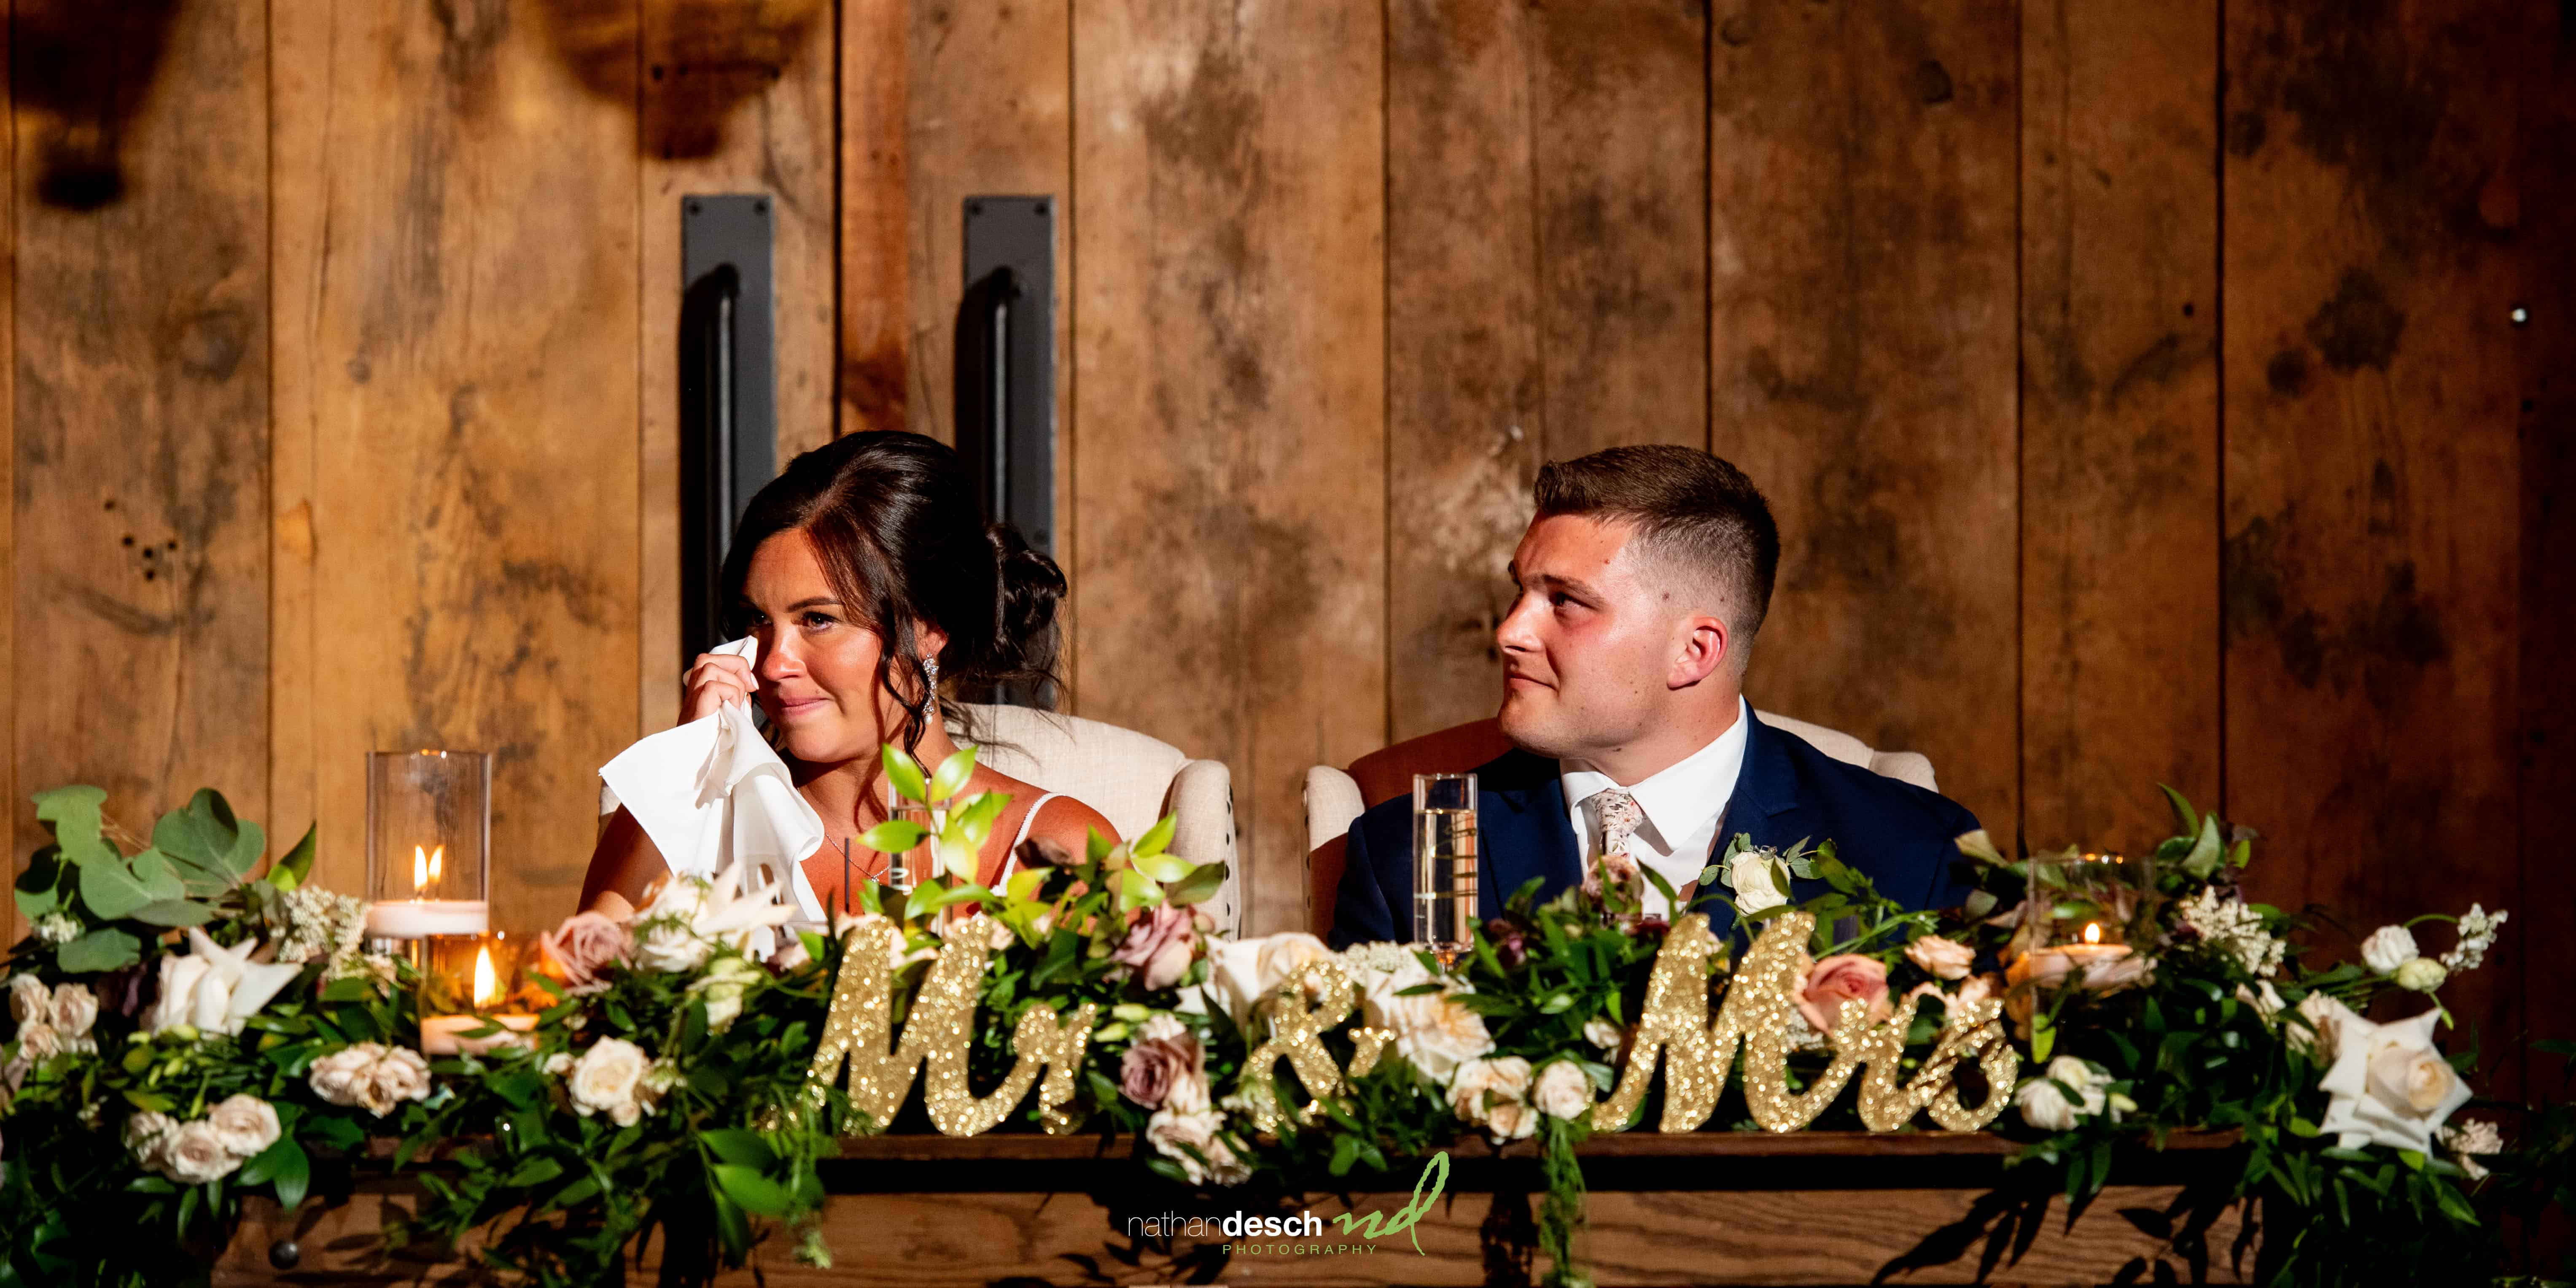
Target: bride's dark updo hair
902, 538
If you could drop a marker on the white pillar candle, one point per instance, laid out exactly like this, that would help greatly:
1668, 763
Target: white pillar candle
416, 918
446, 1034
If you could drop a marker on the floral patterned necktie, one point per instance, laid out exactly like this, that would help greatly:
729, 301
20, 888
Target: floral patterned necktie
1620, 817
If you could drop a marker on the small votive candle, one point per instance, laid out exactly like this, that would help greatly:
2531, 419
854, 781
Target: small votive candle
469, 983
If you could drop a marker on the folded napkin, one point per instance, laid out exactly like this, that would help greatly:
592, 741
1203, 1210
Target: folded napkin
712, 792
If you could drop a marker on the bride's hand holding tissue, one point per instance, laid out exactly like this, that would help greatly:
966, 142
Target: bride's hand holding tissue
864, 585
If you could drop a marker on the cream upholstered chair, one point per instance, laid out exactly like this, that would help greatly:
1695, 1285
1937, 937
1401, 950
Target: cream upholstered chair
1334, 798
1132, 779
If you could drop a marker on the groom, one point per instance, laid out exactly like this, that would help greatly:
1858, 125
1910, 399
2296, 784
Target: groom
1643, 580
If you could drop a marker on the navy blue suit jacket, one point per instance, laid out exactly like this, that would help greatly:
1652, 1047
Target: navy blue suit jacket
1898, 835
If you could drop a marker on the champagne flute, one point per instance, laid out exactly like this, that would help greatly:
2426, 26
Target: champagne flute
1444, 865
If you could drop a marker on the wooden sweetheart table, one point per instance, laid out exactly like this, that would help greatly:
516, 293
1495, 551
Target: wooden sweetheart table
1700, 1208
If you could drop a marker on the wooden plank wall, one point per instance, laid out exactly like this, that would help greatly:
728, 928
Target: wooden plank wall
2138, 384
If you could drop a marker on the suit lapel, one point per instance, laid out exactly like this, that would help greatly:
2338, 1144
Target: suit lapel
1764, 802
1525, 830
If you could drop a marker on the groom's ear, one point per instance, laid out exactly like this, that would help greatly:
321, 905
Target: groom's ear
1701, 646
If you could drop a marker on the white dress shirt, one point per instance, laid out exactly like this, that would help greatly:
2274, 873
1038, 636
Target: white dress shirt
1684, 806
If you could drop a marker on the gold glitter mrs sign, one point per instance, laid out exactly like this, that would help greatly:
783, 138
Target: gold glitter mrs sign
1697, 1053
1756, 1010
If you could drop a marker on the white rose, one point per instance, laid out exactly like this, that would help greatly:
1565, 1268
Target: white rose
559, 1064
29, 1000
1174, 1135
2044, 1100
1755, 884
672, 948
1941, 958
2388, 948
1603, 1034
2317, 1039
722, 986
245, 1124
1244, 972
2421, 975
74, 1009
338, 1077
370, 1075
2390, 1086
195, 1154
147, 1134
606, 1079
1432, 1030
1494, 1094
1563, 1091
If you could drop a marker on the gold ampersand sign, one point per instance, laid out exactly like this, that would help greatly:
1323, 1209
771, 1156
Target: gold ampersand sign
1754, 1010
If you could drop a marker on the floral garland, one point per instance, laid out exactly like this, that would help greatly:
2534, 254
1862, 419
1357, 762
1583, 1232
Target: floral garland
221, 1024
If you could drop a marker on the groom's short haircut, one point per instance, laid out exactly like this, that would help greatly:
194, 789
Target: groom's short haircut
1698, 521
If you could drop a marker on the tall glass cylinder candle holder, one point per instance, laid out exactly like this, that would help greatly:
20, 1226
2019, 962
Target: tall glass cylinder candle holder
472, 994
1444, 864
429, 842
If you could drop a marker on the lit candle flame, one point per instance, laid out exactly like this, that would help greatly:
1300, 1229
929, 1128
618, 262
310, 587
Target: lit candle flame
487, 989
424, 868
436, 857
2092, 933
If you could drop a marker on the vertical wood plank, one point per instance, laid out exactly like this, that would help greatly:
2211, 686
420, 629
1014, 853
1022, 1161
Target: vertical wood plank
10, 930
1466, 429
1230, 485
299, 54
140, 406
1862, 255
474, 343
1619, 94
735, 99
874, 312
2371, 498
969, 132
2545, 188
2119, 388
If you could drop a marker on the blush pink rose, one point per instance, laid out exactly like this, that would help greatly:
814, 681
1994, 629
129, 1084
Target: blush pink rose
580, 951
1155, 1067
1160, 943
1841, 978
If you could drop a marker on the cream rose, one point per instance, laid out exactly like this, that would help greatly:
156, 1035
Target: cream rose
245, 1124
29, 1000
609, 1079
1432, 1030
1194, 1141
2316, 1038
1603, 1034
196, 1154
1754, 881
1941, 958
74, 1010
1243, 973
2388, 948
1563, 1091
370, 1075
147, 1134
1494, 1095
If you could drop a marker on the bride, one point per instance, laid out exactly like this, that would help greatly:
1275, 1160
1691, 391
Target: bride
871, 581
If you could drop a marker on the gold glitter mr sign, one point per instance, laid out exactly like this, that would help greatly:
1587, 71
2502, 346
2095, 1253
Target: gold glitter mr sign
937, 1034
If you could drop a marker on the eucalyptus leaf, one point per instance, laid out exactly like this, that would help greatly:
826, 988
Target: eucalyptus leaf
113, 891
174, 913
104, 949
73, 814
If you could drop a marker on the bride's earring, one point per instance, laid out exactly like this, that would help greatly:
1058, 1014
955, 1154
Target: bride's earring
930, 691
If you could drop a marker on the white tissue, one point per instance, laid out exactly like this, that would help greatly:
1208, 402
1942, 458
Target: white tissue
711, 791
